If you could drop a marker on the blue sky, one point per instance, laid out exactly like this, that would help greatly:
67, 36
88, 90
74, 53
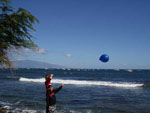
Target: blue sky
74, 33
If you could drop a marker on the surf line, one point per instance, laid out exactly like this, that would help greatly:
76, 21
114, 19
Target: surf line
83, 82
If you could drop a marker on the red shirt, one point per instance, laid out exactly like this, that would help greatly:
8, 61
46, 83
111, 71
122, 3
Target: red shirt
47, 83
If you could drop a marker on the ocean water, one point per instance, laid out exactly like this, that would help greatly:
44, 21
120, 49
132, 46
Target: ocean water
84, 91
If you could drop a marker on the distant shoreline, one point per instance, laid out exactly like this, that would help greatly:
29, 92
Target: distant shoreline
129, 70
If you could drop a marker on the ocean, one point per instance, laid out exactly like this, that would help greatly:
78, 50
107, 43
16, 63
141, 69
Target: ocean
84, 90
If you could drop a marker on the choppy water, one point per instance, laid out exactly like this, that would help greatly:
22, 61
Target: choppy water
84, 91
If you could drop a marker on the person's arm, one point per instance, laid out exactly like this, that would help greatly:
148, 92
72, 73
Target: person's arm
51, 76
58, 89
47, 98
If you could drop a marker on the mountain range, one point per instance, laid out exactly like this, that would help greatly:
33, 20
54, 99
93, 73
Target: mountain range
34, 64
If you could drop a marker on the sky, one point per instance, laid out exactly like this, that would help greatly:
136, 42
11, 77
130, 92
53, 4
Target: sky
75, 33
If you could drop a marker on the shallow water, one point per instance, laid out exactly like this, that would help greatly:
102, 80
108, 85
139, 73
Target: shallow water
84, 91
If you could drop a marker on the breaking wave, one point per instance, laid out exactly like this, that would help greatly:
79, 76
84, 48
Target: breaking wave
84, 82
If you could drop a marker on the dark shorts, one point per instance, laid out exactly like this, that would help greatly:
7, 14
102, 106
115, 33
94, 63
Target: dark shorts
52, 108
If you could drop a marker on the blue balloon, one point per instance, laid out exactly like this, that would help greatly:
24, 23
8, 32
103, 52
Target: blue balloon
104, 58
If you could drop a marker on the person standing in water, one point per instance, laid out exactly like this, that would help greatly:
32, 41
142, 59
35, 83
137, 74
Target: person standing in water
51, 98
48, 78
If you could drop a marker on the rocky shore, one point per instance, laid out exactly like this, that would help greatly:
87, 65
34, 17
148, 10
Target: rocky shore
3, 110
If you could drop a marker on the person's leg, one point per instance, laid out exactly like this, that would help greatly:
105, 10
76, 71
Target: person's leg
54, 109
47, 109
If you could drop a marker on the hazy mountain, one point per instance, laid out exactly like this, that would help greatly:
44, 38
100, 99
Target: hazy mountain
34, 64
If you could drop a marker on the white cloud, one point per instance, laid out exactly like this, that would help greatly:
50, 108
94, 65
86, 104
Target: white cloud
33, 50
68, 55
38, 50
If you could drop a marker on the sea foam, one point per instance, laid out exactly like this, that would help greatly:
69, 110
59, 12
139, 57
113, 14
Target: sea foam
84, 82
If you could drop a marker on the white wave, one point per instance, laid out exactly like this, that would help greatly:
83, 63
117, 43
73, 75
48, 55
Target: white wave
29, 111
10, 109
6, 107
18, 110
32, 80
83, 82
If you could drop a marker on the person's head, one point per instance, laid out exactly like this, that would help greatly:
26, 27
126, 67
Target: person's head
50, 88
48, 76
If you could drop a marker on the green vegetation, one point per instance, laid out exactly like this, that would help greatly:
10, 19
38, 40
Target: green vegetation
15, 28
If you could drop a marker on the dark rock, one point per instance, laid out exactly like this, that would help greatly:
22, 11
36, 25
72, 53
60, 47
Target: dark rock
2, 110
